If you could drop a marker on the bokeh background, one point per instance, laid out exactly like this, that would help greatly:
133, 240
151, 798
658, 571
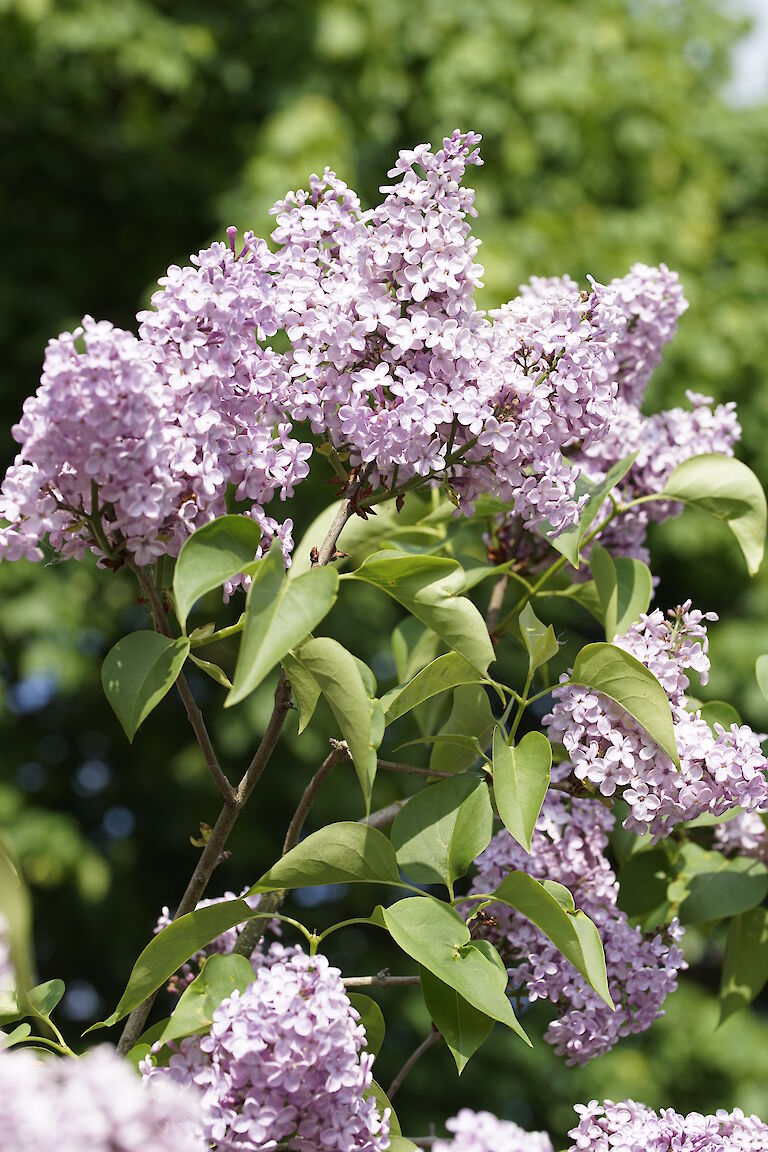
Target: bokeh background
131, 134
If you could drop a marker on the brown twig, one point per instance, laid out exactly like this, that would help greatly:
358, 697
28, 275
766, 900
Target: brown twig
425, 1045
382, 980
495, 604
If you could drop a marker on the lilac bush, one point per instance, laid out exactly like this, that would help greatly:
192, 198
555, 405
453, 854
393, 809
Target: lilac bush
499, 460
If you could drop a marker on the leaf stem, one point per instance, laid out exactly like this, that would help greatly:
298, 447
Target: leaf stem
413, 1059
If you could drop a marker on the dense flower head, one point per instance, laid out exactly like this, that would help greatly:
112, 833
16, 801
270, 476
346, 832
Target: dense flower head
484, 1132
631, 1127
96, 1103
744, 835
568, 846
651, 300
283, 1064
720, 769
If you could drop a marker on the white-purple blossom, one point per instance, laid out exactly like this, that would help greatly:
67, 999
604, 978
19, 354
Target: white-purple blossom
96, 1103
484, 1132
284, 1064
221, 945
609, 751
744, 835
631, 1127
568, 846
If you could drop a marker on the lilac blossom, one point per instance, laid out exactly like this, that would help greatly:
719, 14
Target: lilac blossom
631, 1127
96, 1103
719, 770
568, 846
744, 835
484, 1132
222, 945
284, 1064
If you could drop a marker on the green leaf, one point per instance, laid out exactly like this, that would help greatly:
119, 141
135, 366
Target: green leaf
138, 672
279, 614
625, 588
445, 672
461, 1025
213, 554
520, 782
550, 907
344, 853
371, 1018
413, 647
539, 639
569, 543
305, 690
761, 672
172, 947
7, 1040
442, 829
218, 979
213, 670
720, 712
745, 967
428, 587
15, 910
45, 997
470, 724
400, 1144
643, 883
612, 671
360, 718
711, 887
436, 937
729, 491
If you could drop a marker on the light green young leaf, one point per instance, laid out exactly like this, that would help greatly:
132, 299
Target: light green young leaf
445, 672
470, 724
360, 718
442, 829
436, 937
45, 997
213, 670
569, 543
612, 671
625, 588
520, 782
172, 947
729, 491
429, 588
745, 967
400, 1144
539, 639
279, 614
218, 979
9, 1039
461, 1025
550, 907
138, 672
372, 1019
344, 853
213, 554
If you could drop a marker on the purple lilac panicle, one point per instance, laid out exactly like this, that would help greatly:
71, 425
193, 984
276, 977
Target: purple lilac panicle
484, 1132
222, 945
95, 1103
719, 770
631, 1127
568, 846
283, 1064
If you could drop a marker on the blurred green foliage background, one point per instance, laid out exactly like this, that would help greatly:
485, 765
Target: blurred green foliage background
130, 135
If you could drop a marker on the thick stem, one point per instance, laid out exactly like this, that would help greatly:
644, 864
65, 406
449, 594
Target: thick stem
495, 604
382, 980
384, 817
425, 1045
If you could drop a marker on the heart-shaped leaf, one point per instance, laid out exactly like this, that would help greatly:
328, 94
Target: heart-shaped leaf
213, 554
138, 672
520, 782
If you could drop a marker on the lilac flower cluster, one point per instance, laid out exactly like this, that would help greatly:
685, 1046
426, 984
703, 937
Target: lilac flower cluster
283, 1064
744, 835
95, 1103
719, 770
631, 1127
484, 1132
133, 443
569, 846
222, 945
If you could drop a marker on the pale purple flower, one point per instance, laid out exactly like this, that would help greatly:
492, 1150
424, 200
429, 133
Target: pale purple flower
631, 1127
96, 1103
284, 1064
484, 1132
